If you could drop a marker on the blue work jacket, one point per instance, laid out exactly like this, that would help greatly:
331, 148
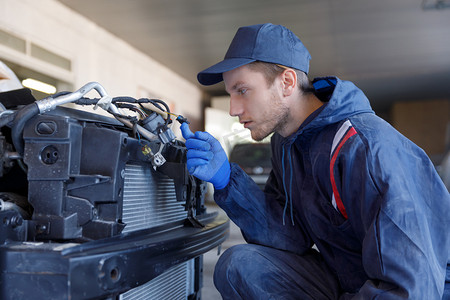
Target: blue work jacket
365, 195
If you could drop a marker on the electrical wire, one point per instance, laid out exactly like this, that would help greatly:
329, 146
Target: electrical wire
123, 102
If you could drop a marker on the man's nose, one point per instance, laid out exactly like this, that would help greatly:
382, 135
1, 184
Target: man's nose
236, 108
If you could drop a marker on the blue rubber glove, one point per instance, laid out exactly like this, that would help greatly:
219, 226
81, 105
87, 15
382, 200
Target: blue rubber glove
206, 159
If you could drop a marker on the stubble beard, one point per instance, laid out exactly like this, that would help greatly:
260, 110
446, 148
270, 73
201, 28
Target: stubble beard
276, 119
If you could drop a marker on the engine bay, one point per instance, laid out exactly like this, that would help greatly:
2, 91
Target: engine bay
94, 205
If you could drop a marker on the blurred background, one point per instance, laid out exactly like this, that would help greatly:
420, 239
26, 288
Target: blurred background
396, 51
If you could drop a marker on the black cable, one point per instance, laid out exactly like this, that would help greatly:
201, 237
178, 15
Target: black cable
132, 119
155, 102
134, 130
87, 101
123, 100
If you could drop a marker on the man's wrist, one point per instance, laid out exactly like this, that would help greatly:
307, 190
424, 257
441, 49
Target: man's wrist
222, 177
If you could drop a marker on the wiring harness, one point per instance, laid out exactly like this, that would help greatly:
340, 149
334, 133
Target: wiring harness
149, 119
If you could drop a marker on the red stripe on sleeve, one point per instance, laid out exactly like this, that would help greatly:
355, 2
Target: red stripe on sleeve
351, 132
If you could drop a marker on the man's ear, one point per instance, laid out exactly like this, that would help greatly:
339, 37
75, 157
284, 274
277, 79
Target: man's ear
289, 81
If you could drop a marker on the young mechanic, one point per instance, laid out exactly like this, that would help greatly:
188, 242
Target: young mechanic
343, 179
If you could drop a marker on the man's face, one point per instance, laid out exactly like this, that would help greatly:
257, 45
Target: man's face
259, 106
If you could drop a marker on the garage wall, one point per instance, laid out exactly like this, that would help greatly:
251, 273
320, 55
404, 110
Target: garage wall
87, 53
426, 123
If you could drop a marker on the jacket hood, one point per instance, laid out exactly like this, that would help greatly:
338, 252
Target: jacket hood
343, 100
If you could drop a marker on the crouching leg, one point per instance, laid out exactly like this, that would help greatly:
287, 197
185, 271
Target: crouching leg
257, 272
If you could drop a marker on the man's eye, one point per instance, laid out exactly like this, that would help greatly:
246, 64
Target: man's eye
242, 91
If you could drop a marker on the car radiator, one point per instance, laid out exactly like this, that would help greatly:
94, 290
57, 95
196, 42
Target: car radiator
176, 283
148, 200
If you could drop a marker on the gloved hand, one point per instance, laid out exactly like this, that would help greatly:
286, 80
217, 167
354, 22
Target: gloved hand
206, 159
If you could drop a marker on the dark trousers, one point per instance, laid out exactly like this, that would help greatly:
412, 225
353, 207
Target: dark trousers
256, 272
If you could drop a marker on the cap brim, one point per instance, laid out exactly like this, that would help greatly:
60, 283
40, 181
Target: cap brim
213, 74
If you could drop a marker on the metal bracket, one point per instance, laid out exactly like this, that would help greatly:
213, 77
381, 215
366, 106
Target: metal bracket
79, 181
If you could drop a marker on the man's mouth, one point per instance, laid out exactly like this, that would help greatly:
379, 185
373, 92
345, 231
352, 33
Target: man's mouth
246, 123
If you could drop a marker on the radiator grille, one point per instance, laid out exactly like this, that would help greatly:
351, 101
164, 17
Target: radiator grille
149, 199
175, 284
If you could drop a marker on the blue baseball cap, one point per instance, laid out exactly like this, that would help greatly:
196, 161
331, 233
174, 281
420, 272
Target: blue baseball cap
263, 42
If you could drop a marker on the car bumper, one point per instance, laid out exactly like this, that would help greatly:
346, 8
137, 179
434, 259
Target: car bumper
103, 267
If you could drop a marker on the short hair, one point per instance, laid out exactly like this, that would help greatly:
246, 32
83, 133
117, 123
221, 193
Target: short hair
271, 71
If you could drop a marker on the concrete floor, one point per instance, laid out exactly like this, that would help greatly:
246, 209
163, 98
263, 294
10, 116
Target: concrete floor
210, 258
